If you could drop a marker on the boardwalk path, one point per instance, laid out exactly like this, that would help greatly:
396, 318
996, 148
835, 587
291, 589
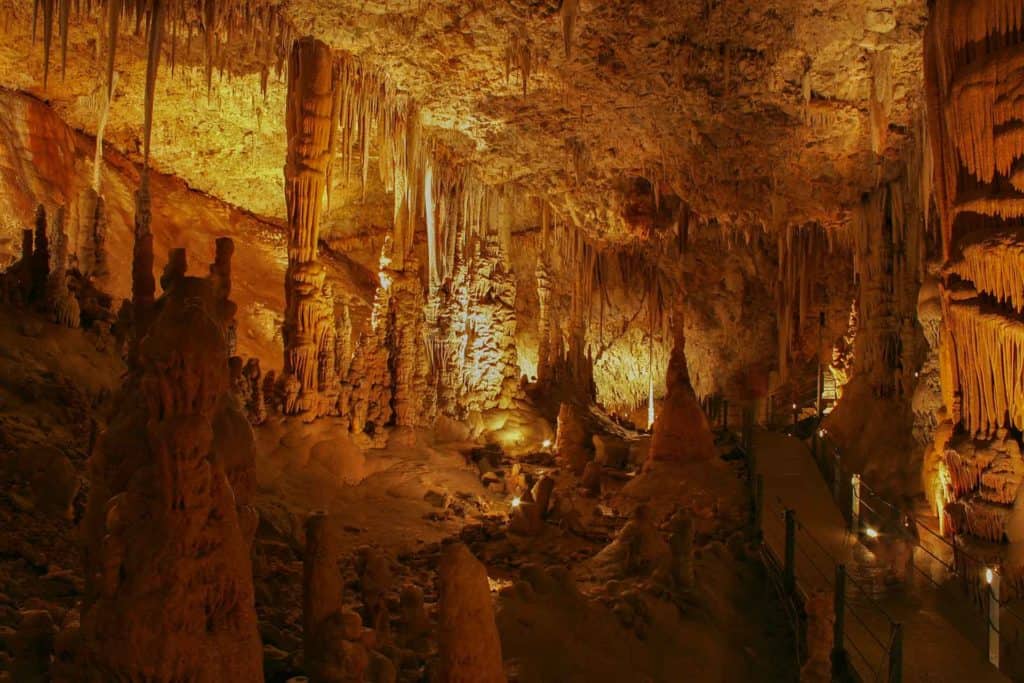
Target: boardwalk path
936, 644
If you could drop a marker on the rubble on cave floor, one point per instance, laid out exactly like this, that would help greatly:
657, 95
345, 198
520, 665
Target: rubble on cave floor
391, 512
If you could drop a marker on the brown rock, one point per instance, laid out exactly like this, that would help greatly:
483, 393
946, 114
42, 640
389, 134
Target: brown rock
32, 646
470, 648
570, 438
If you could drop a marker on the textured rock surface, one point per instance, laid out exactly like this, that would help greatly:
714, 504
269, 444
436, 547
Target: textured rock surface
168, 528
810, 87
467, 633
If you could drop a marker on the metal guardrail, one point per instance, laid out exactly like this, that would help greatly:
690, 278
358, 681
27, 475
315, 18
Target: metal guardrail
867, 640
934, 556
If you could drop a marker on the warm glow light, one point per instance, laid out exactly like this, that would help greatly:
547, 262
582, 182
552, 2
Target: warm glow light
989, 576
547, 443
794, 406
871, 532
822, 433
516, 501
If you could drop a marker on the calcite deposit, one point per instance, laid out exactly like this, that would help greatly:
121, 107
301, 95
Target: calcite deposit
463, 341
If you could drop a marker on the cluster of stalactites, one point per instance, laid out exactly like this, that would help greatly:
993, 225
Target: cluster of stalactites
962, 22
972, 62
802, 254
256, 28
988, 352
573, 267
995, 266
889, 252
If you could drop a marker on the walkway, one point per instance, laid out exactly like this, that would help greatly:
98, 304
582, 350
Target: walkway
934, 650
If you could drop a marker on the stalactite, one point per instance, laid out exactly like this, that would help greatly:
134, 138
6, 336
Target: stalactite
569, 11
801, 256
65, 13
101, 127
47, 38
880, 65
113, 27
156, 28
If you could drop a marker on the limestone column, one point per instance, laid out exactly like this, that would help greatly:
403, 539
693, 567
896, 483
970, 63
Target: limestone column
311, 93
543, 322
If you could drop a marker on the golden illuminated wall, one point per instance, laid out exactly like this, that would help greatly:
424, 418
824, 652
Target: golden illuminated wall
974, 71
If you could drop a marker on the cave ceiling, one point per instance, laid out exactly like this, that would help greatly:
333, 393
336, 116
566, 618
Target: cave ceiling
754, 114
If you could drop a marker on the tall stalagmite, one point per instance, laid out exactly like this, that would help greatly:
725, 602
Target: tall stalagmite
468, 635
309, 312
168, 528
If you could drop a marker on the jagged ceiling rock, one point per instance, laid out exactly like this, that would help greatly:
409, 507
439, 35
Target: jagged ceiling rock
753, 112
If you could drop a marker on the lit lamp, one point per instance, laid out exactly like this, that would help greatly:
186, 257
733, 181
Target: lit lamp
546, 443
516, 502
871, 532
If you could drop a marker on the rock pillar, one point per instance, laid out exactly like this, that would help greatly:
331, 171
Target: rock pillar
309, 314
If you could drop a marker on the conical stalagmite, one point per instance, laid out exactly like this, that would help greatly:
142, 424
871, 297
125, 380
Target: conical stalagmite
468, 636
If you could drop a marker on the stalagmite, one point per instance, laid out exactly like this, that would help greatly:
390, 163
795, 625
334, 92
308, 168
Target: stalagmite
571, 438
470, 649
91, 252
309, 313
681, 432
143, 281
40, 270
168, 527
59, 300
322, 591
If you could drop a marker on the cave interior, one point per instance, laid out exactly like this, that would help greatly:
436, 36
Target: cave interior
453, 341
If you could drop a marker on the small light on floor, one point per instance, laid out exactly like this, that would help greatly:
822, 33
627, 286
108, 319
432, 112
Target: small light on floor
871, 532
515, 502
989, 576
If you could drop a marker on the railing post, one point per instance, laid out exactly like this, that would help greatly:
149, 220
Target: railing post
992, 578
725, 413
748, 427
759, 507
855, 504
790, 566
839, 626
837, 475
896, 655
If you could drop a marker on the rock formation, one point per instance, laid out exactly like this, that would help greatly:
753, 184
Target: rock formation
309, 313
571, 438
168, 528
322, 591
681, 432
470, 648
971, 116
61, 303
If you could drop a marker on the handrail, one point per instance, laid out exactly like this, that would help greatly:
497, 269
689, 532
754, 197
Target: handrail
970, 570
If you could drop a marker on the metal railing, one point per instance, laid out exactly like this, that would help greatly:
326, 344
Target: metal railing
867, 642
937, 558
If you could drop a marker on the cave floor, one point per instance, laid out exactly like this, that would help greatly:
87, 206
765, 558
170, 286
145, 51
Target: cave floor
938, 643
